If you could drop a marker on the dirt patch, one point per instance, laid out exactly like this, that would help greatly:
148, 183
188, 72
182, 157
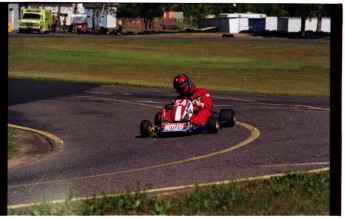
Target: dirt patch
33, 147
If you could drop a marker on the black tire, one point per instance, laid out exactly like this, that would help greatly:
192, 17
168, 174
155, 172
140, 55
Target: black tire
212, 124
146, 128
227, 117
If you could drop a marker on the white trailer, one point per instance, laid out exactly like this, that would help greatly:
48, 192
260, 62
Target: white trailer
271, 23
311, 24
289, 24
108, 21
238, 21
293, 24
66, 12
326, 24
231, 25
105, 18
77, 19
235, 23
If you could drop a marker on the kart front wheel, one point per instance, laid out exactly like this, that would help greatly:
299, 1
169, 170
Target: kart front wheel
146, 128
212, 124
227, 117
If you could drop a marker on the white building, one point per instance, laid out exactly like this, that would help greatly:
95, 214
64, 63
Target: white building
243, 21
293, 24
271, 24
289, 24
326, 24
311, 24
235, 22
101, 18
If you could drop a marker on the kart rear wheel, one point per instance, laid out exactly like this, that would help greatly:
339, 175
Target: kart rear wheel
227, 117
146, 128
212, 124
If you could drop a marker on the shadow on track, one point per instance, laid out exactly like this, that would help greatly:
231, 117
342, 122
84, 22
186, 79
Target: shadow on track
24, 91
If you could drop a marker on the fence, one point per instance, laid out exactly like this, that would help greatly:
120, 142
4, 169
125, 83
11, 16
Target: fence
168, 23
132, 24
138, 24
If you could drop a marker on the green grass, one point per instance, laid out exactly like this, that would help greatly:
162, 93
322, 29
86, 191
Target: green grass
250, 67
292, 194
12, 148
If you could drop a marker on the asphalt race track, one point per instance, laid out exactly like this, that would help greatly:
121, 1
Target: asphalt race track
103, 152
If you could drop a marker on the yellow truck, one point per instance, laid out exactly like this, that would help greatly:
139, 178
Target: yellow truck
39, 20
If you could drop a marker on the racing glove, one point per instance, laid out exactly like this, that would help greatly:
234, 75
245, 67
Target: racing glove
198, 104
169, 106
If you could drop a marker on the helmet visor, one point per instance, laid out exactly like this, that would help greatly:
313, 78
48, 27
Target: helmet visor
182, 87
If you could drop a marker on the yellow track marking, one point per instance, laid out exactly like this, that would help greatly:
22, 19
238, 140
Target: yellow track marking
254, 135
296, 164
59, 143
164, 191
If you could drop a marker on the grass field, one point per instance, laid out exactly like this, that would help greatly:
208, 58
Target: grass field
12, 148
293, 194
236, 66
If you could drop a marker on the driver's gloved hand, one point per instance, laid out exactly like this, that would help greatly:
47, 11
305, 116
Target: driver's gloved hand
198, 104
169, 106
164, 119
187, 117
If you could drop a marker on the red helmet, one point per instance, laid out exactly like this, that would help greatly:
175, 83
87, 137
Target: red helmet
183, 85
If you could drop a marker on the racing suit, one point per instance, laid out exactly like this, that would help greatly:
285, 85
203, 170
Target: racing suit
202, 106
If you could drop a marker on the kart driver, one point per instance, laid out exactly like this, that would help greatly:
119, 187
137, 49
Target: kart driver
201, 98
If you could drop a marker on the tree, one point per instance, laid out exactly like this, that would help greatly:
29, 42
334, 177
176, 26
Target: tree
322, 10
130, 10
148, 11
201, 10
145, 10
57, 19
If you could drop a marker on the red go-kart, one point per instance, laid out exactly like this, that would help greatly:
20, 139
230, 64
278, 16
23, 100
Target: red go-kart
182, 110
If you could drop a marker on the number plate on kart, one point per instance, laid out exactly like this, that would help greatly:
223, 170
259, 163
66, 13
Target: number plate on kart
174, 127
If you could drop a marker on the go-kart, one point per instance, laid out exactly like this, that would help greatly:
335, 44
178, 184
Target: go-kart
182, 110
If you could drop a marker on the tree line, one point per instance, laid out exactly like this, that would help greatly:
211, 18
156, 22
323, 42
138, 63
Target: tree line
196, 11
200, 10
